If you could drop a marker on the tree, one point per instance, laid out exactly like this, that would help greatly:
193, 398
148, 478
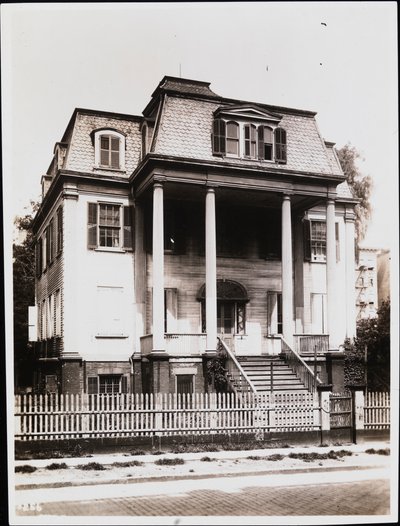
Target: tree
23, 297
373, 336
361, 187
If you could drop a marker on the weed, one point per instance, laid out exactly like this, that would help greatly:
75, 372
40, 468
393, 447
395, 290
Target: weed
207, 459
324, 445
254, 457
127, 464
157, 452
136, 452
55, 465
191, 470
25, 469
169, 461
373, 451
92, 466
275, 457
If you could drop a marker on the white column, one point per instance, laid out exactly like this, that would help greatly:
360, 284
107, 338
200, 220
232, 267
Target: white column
287, 271
350, 277
211, 273
158, 268
331, 285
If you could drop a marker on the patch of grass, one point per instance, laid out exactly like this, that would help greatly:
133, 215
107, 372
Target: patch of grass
169, 461
157, 452
208, 459
310, 457
191, 470
373, 451
56, 465
129, 464
92, 466
275, 457
254, 457
136, 452
26, 468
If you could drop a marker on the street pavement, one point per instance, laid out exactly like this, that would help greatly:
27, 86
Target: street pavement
353, 488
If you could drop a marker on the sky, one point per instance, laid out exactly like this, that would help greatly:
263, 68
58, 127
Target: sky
338, 59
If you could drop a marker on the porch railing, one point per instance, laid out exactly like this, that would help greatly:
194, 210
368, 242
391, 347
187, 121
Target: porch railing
238, 379
185, 344
300, 368
311, 343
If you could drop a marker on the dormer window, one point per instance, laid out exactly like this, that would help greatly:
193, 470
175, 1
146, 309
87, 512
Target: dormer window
280, 145
232, 138
250, 143
109, 149
249, 140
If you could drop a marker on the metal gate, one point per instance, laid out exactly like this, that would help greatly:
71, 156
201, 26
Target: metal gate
341, 411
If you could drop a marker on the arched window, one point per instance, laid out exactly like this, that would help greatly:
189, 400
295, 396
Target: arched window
280, 145
232, 138
250, 140
265, 143
109, 149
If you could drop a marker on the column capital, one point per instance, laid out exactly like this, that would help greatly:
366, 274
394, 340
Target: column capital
286, 197
330, 200
159, 180
210, 186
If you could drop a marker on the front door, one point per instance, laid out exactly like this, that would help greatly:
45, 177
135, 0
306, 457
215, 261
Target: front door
226, 321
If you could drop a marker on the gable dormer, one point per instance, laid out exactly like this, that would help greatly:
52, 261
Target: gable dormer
249, 132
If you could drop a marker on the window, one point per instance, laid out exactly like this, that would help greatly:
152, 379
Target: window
265, 143
109, 149
280, 145
318, 313
50, 317
170, 310
274, 312
315, 240
49, 243
39, 254
110, 312
43, 328
59, 216
107, 384
58, 313
184, 384
109, 226
51, 383
250, 142
232, 138
318, 240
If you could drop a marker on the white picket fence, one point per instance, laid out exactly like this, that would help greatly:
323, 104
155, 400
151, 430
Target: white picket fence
377, 411
50, 417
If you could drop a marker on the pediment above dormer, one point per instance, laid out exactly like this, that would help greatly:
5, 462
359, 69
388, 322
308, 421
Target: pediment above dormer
248, 113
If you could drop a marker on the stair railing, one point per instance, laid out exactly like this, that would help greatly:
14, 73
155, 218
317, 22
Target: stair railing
299, 367
238, 379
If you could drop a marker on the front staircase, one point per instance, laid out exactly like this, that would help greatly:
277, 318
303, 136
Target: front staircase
270, 373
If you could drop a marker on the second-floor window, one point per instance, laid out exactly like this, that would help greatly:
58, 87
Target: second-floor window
109, 226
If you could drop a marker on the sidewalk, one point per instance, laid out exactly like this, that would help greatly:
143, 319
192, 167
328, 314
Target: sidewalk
122, 468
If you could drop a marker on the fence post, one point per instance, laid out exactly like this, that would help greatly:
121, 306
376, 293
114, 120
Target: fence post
158, 405
357, 395
324, 392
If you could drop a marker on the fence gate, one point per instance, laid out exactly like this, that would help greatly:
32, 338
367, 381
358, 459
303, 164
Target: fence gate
341, 412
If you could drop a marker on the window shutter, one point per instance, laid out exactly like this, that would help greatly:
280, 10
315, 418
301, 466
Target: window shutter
272, 313
171, 310
261, 142
124, 384
93, 384
39, 250
92, 225
47, 246
307, 239
128, 220
218, 136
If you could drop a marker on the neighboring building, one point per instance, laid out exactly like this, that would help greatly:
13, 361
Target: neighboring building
205, 217
383, 275
366, 284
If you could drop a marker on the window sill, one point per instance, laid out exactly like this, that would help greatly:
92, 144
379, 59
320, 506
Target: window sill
109, 169
111, 336
110, 249
318, 261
